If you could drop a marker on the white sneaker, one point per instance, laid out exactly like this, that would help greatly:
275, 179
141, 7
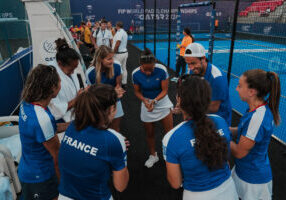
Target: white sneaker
175, 79
151, 160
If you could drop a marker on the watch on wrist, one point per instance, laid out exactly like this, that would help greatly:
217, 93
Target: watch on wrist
155, 101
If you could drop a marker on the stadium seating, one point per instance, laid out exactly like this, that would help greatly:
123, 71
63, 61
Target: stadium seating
261, 7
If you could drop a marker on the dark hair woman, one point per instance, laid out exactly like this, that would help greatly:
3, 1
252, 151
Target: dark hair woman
38, 169
196, 150
104, 70
67, 60
96, 150
150, 81
181, 63
261, 91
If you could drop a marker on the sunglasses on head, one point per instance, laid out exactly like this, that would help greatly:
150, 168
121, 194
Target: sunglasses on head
185, 77
147, 58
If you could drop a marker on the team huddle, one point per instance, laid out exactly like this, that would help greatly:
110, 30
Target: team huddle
196, 151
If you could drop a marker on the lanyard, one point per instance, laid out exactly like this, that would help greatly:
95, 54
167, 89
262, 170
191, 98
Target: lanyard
102, 33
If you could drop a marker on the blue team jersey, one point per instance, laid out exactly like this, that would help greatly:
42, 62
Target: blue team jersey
178, 148
91, 75
218, 82
36, 125
150, 86
86, 160
258, 126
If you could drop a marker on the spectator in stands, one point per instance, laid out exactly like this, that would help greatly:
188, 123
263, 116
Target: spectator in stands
216, 24
181, 64
88, 24
95, 27
196, 151
266, 12
198, 64
67, 60
150, 81
252, 172
102, 36
38, 169
110, 28
132, 27
119, 47
104, 70
90, 152
87, 37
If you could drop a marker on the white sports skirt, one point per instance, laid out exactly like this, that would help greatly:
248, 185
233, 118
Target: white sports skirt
62, 197
161, 109
225, 191
119, 110
249, 191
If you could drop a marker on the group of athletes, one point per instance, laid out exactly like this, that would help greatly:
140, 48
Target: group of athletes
196, 151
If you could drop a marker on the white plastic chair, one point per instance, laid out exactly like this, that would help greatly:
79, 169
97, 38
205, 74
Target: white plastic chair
7, 163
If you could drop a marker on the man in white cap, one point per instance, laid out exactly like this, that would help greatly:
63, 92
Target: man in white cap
198, 64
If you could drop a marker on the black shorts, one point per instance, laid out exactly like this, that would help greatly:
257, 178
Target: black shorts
46, 190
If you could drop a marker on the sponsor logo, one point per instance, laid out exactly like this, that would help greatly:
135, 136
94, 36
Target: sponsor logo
246, 28
49, 46
267, 29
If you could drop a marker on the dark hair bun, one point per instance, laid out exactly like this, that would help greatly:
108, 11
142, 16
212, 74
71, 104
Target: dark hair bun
61, 44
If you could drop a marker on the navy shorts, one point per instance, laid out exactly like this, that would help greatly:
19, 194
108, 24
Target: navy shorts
46, 190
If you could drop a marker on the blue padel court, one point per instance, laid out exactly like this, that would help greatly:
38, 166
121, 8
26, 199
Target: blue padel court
248, 54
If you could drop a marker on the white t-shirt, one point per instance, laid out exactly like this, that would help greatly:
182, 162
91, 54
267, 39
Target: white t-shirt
69, 88
120, 35
103, 37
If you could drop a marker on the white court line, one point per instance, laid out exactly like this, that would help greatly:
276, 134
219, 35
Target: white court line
221, 50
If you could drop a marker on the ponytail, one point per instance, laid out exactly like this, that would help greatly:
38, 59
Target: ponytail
274, 95
210, 147
188, 32
266, 83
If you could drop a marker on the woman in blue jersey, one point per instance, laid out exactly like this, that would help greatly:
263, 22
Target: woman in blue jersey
252, 173
150, 81
104, 70
196, 150
38, 169
90, 152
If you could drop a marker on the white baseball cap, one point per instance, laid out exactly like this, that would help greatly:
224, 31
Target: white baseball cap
195, 50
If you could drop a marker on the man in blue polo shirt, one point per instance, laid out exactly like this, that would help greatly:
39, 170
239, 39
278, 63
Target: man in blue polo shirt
198, 64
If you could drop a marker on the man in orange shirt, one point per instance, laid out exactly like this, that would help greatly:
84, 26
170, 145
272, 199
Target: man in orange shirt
86, 36
181, 64
216, 24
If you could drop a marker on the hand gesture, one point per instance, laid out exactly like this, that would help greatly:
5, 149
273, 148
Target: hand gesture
119, 91
177, 110
151, 106
147, 104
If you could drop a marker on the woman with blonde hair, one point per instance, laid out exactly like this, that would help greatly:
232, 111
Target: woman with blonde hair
104, 70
